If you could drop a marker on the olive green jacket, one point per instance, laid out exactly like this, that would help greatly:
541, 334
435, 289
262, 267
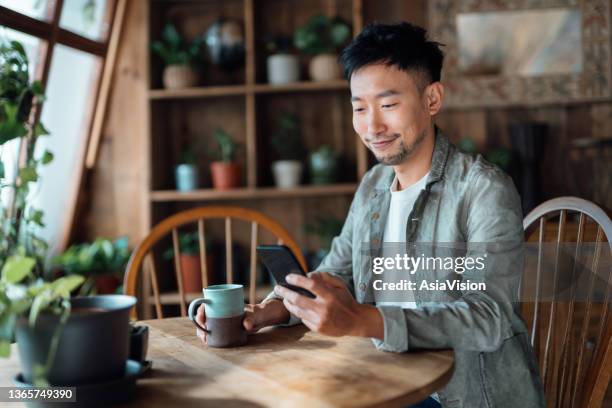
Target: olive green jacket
468, 200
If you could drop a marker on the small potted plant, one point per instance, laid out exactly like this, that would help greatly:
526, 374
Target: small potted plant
102, 262
283, 66
323, 165
225, 170
287, 143
179, 57
321, 37
186, 172
191, 270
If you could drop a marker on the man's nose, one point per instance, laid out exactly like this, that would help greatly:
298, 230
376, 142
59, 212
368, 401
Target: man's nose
375, 124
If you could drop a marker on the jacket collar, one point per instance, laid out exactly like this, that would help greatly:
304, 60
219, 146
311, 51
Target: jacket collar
438, 163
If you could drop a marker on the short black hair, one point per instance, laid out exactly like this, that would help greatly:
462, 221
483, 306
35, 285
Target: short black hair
404, 45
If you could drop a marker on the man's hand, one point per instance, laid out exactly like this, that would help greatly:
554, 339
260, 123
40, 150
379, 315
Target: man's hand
256, 316
334, 311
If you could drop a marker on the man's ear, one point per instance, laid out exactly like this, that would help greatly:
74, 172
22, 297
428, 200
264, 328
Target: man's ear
434, 96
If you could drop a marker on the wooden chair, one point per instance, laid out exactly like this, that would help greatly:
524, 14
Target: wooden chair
572, 337
197, 216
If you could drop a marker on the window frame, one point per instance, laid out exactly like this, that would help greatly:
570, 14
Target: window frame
50, 33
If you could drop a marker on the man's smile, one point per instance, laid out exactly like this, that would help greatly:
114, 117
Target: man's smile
383, 143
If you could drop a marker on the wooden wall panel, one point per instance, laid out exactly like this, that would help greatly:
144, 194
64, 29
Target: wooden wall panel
116, 202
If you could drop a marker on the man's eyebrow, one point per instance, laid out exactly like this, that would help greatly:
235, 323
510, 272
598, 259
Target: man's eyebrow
384, 94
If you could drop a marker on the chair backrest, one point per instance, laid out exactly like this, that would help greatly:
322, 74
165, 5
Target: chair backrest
571, 334
171, 225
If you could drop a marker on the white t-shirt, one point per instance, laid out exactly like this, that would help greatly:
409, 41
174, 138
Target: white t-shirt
400, 208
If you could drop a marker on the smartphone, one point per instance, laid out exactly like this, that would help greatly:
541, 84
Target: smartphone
280, 262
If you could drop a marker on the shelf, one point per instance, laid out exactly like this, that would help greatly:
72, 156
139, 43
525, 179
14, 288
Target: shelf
253, 193
173, 298
337, 84
201, 92
232, 90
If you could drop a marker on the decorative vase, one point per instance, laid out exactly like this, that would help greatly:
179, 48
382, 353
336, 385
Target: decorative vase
179, 76
287, 173
324, 67
323, 166
225, 175
283, 69
191, 273
93, 344
186, 177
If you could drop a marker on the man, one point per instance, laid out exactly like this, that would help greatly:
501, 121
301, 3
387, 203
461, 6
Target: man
423, 190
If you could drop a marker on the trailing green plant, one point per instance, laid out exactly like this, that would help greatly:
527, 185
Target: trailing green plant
321, 35
100, 257
23, 292
226, 146
175, 50
287, 141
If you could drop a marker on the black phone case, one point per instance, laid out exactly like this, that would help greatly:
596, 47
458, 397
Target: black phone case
280, 262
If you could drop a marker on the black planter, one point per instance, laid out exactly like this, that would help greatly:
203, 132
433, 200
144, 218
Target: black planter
93, 347
139, 343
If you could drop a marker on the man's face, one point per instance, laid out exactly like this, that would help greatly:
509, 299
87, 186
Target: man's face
389, 112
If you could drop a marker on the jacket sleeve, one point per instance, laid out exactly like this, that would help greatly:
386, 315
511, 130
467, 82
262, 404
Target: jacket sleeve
475, 320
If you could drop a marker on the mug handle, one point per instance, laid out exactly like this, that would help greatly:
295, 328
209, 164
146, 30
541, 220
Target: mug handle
192, 307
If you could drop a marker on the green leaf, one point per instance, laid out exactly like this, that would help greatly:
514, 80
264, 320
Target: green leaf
16, 268
5, 349
63, 286
1, 170
40, 130
28, 174
36, 217
47, 157
41, 301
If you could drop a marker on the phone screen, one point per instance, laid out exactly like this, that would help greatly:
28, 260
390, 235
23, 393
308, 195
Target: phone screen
280, 262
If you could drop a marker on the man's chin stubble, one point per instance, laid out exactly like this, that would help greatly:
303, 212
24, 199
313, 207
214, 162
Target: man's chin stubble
404, 152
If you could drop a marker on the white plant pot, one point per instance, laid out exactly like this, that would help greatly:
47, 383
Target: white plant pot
287, 173
186, 177
283, 68
179, 76
324, 67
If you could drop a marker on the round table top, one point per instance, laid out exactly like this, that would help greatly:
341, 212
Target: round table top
279, 367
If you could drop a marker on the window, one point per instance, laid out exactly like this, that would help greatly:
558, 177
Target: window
67, 43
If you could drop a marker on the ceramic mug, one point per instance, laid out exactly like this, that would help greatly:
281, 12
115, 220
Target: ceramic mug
224, 307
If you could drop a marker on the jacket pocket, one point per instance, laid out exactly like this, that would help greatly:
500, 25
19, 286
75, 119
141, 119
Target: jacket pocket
509, 375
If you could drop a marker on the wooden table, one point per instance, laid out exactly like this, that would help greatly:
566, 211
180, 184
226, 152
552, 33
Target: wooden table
280, 367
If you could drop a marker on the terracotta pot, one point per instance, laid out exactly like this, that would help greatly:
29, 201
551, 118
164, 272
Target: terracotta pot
324, 67
191, 273
225, 175
179, 76
107, 284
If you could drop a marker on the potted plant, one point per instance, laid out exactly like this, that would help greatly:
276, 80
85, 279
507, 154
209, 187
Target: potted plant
225, 170
283, 66
102, 262
287, 143
191, 270
179, 57
186, 172
57, 344
322, 36
323, 165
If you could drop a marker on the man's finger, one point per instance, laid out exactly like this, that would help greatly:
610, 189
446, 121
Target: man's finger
309, 284
301, 313
201, 316
294, 297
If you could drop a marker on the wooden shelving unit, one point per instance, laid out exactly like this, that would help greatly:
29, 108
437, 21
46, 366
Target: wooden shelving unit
247, 107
